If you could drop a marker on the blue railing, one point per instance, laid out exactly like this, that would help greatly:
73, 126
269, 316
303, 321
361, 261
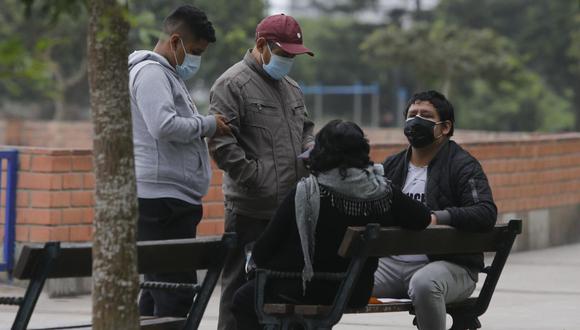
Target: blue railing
354, 89
9, 203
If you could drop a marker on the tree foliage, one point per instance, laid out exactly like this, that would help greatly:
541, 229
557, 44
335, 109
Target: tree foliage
490, 74
545, 34
440, 55
43, 58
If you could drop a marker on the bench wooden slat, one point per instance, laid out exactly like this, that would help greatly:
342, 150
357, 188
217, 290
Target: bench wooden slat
279, 308
436, 239
395, 306
192, 254
163, 323
75, 259
382, 308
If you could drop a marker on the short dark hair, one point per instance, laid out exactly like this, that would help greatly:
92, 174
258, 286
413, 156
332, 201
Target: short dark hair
340, 144
439, 101
191, 20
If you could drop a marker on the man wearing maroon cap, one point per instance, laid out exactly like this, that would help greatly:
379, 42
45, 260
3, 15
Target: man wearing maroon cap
270, 129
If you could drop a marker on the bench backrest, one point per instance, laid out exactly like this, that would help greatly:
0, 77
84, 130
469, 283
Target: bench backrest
433, 240
75, 259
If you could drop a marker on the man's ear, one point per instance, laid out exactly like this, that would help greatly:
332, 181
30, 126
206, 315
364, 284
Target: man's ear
446, 127
174, 41
260, 44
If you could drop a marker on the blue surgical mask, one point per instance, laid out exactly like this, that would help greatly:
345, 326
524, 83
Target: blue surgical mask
190, 65
279, 66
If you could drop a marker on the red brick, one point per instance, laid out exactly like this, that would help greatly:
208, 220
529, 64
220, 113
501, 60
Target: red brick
82, 163
88, 215
89, 181
81, 233
214, 194
72, 181
213, 210
51, 163
218, 227
24, 162
82, 198
22, 198
61, 164
21, 233
59, 233
40, 199
39, 181
49, 199
82, 152
39, 216
216, 177
208, 228
72, 216
39, 234
41, 163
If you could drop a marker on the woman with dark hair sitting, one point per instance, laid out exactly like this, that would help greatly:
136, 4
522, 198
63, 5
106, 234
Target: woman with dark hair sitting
344, 189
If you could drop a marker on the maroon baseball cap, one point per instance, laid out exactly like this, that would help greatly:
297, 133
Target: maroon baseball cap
285, 32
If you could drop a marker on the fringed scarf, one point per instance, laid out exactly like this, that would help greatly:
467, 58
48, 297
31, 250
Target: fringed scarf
363, 192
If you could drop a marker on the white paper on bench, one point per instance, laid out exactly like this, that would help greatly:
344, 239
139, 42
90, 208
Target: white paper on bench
392, 300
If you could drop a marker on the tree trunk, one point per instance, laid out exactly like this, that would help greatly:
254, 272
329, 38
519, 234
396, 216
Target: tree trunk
115, 278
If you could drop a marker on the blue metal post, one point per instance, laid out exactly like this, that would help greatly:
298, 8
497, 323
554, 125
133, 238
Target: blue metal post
10, 209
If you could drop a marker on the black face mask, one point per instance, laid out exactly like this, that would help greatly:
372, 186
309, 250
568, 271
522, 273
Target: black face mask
419, 131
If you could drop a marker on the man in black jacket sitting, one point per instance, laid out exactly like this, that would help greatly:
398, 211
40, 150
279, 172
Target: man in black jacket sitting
451, 182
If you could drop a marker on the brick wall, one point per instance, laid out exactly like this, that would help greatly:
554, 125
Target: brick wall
55, 195
533, 173
55, 188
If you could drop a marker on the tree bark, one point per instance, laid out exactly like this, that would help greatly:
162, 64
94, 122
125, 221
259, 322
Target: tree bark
115, 278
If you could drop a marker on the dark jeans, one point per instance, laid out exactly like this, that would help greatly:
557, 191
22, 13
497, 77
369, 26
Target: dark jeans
161, 219
233, 275
284, 291
243, 308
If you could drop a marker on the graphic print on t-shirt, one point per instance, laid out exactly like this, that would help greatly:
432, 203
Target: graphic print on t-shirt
415, 183
415, 188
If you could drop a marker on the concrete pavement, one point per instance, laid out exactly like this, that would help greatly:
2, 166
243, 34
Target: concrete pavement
538, 290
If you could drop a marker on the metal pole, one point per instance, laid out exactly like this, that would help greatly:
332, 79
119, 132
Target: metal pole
375, 107
357, 104
318, 106
10, 209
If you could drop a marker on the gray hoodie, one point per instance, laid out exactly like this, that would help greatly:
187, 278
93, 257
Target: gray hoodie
171, 155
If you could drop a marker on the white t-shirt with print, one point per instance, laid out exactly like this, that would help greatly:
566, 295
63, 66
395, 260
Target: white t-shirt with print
415, 188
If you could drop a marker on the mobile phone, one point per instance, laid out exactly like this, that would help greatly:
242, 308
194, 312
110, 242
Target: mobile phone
227, 122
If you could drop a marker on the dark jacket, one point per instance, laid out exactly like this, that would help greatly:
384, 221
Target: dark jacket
455, 183
279, 246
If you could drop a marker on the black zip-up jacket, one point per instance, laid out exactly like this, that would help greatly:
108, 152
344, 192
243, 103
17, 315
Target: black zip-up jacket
457, 184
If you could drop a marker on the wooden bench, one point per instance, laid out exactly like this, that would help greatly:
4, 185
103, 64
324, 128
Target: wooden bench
359, 243
55, 260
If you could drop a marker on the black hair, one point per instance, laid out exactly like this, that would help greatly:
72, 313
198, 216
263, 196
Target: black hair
439, 101
340, 144
191, 20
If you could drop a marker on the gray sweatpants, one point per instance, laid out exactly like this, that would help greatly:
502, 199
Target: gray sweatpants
429, 286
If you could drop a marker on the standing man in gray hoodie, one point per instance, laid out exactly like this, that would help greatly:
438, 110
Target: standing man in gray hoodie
171, 155
270, 129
